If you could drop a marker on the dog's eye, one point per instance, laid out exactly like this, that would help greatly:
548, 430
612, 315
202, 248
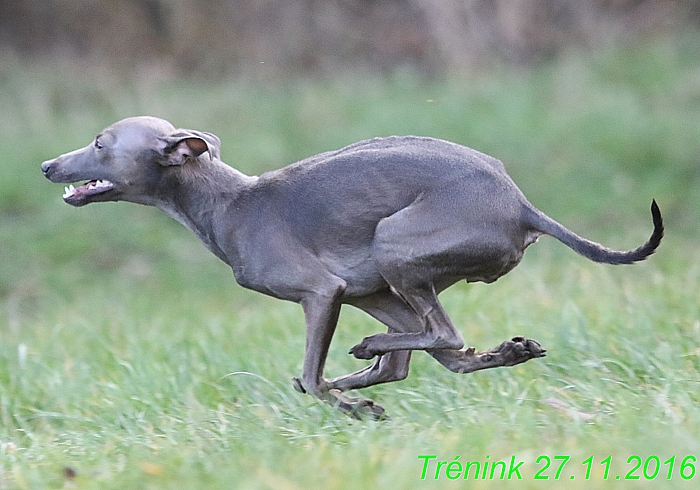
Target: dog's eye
98, 145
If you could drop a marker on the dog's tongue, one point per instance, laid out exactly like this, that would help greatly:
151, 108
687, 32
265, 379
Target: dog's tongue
92, 187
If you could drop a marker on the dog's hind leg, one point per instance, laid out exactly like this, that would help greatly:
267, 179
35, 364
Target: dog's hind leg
509, 353
397, 314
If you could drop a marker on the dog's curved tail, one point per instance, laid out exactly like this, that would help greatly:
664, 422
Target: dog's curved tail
594, 251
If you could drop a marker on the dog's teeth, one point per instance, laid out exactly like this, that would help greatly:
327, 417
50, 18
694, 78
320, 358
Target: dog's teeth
98, 184
69, 190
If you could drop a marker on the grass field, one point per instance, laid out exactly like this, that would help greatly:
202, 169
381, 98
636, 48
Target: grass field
129, 358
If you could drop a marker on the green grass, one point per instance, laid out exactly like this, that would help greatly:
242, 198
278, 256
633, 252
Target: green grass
129, 354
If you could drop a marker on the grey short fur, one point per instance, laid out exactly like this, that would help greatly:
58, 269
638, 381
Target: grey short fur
384, 225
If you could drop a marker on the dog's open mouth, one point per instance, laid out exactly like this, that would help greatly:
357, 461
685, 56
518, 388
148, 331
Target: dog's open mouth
82, 194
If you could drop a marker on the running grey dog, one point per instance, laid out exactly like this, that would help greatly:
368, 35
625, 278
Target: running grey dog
384, 225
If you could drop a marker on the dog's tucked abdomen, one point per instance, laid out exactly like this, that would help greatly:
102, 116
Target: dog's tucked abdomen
434, 210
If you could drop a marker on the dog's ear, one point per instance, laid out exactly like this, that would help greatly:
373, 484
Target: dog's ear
186, 144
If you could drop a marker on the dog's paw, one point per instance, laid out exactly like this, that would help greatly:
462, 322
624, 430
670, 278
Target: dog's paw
533, 347
517, 350
362, 350
357, 408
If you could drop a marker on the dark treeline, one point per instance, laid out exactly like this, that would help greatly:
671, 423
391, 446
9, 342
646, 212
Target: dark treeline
294, 37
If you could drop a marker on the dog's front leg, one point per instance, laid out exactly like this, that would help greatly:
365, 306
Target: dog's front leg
321, 312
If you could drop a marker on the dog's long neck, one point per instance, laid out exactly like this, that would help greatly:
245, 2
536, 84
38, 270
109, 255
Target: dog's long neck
196, 194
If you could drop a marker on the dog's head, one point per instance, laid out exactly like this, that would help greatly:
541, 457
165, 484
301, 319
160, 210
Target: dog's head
128, 160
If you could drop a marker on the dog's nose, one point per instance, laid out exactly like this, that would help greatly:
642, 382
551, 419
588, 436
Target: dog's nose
46, 166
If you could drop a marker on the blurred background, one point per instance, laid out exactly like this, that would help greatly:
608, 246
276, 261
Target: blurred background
327, 37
